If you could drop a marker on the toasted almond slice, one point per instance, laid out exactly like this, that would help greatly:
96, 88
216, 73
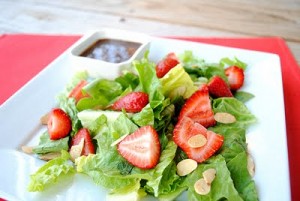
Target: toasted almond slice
76, 150
44, 119
250, 165
186, 166
197, 141
201, 187
209, 175
50, 156
27, 149
225, 118
118, 140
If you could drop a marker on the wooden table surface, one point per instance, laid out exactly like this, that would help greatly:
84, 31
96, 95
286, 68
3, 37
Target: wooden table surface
226, 18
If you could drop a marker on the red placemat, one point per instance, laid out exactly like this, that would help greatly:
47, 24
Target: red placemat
23, 56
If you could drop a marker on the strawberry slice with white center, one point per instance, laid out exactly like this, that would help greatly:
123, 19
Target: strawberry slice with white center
235, 77
141, 148
59, 124
198, 108
187, 128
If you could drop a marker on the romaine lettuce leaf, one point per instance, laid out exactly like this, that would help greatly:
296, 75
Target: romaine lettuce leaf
69, 106
93, 166
128, 80
155, 184
243, 96
222, 187
197, 67
145, 117
224, 62
149, 83
46, 145
177, 83
234, 150
50, 172
236, 108
101, 93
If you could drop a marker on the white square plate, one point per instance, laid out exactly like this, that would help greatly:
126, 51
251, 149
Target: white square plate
20, 125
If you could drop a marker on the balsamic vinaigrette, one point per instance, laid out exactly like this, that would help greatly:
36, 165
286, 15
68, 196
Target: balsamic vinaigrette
111, 50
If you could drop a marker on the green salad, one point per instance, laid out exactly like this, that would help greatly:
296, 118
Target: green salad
159, 129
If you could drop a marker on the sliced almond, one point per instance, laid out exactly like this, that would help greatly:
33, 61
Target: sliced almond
197, 141
118, 140
225, 118
209, 175
76, 150
201, 187
50, 156
27, 149
186, 166
44, 119
250, 165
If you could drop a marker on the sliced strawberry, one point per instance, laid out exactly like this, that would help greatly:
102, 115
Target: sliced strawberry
198, 108
76, 93
185, 129
59, 124
217, 87
235, 77
165, 65
141, 148
132, 102
88, 147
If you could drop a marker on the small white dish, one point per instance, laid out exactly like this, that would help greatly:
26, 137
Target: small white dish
95, 67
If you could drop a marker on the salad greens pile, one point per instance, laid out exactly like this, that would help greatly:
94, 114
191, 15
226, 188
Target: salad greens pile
167, 95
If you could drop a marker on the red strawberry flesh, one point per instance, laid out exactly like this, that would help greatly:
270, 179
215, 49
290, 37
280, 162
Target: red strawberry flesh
185, 129
218, 87
198, 108
76, 93
141, 148
165, 65
132, 102
59, 124
88, 146
235, 77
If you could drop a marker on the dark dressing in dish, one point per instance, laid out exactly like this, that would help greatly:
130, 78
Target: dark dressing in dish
111, 50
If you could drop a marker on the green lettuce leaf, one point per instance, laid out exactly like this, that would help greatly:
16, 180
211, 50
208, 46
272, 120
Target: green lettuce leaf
234, 150
50, 172
69, 106
93, 166
222, 187
145, 117
197, 67
101, 91
128, 80
233, 62
149, 83
155, 184
243, 96
177, 83
46, 145
244, 118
